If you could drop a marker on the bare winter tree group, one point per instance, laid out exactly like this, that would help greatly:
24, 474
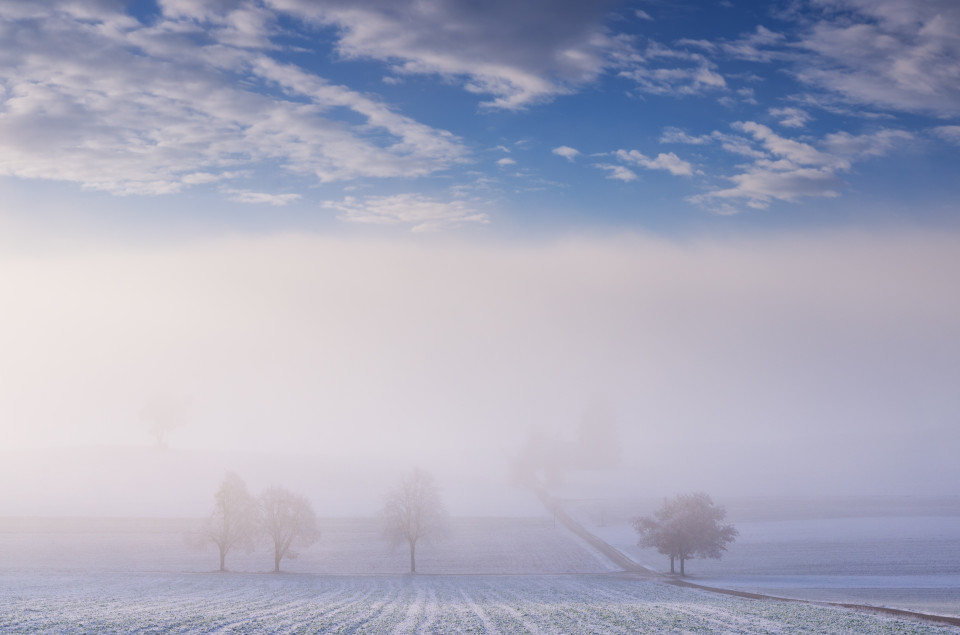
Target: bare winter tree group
239, 520
412, 511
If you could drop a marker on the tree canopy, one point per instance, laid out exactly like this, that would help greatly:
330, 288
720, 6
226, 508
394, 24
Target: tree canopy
686, 526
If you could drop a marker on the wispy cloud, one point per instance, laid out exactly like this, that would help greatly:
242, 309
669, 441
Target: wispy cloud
796, 152
760, 45
662, 70
949, 133
248, 196
761, 184
421, 213
791, 117
97, 98
618, 172
874, 144
785, 169
900, 55
664, 161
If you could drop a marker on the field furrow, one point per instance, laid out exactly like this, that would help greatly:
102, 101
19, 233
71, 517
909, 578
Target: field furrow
298, 604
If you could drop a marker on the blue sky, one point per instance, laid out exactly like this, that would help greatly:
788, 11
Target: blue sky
498, 117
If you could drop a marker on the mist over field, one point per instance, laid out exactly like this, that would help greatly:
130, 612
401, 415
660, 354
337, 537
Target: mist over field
441, 316
822, 363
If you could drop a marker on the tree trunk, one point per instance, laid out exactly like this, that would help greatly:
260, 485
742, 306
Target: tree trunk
276, 560
682, 560
413, 561
671, 563
223, 558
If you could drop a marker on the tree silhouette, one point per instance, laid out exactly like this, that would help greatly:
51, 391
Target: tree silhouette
233, 523
686, 526
288, 521
413, 510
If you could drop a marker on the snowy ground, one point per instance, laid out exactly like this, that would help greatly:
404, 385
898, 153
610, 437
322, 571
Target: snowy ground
255, 603
346, 546
903, 554
130, 575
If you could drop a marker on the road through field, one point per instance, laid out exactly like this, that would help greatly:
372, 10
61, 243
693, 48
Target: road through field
734, 586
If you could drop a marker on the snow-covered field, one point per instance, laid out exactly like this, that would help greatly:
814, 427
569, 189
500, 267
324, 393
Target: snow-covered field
257, 603
902, 554
346, 546
135, 575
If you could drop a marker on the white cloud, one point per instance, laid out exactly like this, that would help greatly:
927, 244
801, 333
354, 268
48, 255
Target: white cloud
874, 144
896, 54
661, 70
566, 152
505, 161
664, 161
201, 178
748, 95
240, 23
618, 172
520, 53
734, 144
706, 45
676, 135
901, 55
949, 133
757, 46
791, 117
786, 169
115, 105
789, 149
248, 196
422, 213
759, 186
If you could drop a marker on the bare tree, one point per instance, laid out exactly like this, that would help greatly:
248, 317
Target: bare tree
413, 510
686, 526
288, 522
233, 523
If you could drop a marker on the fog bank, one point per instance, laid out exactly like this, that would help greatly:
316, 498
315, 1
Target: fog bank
821, 363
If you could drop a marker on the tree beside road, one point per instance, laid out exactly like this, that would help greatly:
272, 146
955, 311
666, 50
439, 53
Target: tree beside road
686, 526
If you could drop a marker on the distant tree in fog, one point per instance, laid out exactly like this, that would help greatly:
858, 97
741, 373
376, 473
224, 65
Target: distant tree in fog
163, 414
413, 510
546, 456
686, 526
233, 523
288, 521
598, 438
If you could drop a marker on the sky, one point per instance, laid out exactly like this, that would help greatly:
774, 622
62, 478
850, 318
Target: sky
386, 228
498, 117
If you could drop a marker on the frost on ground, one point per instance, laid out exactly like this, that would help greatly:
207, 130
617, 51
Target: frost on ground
254, 603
